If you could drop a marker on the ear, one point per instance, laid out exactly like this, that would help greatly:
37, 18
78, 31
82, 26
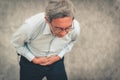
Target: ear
46, 19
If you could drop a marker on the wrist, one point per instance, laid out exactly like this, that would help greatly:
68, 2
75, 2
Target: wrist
35, 60
57, 57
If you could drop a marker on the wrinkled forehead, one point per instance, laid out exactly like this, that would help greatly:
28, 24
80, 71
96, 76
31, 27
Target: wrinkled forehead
62, 22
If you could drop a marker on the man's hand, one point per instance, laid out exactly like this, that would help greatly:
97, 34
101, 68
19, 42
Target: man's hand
40, 60
46, 60
53, 59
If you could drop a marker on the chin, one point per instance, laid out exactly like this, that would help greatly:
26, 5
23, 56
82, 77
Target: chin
60, 36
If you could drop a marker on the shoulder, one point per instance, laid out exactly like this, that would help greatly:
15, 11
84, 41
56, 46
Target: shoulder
76, 30
35, 18
33, 24
76, 26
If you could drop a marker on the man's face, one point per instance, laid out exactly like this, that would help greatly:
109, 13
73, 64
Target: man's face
61, 26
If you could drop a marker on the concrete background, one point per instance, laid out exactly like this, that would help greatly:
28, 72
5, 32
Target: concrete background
96, 55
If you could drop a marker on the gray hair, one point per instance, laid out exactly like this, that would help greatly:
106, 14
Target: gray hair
59, 9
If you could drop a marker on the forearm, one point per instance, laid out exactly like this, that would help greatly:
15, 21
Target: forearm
66, 49
25, 52
19, 40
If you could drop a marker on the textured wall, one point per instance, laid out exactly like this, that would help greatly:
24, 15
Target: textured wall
96, 55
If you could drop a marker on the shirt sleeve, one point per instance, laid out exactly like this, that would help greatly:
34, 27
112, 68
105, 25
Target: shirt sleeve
66, 49
20, 37
74, 35
25, 33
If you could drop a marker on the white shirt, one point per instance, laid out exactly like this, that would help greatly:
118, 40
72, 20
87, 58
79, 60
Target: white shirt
34, 38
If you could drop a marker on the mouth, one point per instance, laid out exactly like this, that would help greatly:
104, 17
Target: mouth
60, 36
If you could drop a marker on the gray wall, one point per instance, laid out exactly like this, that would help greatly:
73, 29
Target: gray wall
96, 55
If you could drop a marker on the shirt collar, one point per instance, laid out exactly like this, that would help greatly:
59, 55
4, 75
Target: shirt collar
47, 29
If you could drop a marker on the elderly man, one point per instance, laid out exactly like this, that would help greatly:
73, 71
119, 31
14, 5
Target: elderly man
44, 39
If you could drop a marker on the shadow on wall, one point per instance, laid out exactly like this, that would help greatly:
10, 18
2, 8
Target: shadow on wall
96, 53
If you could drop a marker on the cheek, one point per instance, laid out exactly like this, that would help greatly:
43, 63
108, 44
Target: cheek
55, 33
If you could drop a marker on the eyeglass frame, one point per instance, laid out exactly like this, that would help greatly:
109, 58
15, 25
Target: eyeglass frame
61, 29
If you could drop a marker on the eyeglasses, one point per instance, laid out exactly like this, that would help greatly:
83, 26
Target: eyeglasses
58, 29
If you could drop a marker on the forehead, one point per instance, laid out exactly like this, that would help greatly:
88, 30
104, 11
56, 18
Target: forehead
62, 22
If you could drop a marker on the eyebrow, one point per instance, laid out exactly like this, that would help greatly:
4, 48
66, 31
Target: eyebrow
67, 27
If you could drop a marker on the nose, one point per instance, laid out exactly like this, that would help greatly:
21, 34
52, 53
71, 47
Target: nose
63, 33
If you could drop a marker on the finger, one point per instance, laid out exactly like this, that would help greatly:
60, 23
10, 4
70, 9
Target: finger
45, 63
48, 63
50, 57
